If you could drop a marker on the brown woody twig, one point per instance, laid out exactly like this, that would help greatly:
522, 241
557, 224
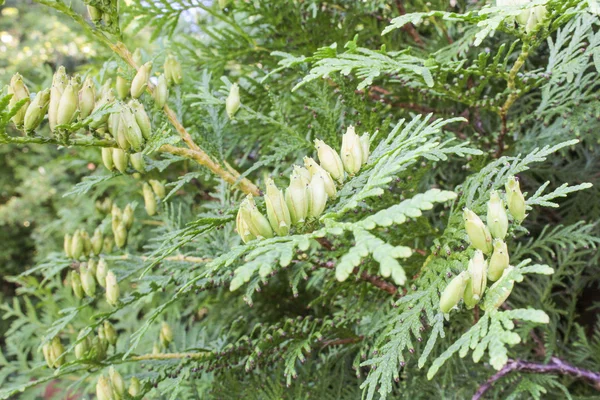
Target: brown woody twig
194, 151
555, 366
409, 28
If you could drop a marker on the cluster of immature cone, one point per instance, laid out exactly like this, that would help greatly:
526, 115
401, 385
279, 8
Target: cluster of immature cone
310, 188
112, 387
97, 16
88, 347
470, 285
95, 272
68, 100
94, 348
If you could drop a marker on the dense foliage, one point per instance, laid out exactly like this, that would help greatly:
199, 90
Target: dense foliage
299, 199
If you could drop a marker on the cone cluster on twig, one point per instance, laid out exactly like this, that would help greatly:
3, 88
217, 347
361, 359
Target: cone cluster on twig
87, 346
309, 189
108, 117
488, 240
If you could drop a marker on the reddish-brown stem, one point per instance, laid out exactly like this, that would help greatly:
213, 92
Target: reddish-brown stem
555, 366
409, 28
372, 279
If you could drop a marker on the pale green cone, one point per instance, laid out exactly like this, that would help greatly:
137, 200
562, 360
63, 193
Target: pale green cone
242, 227
277, 209
499, 260
497, 220
232, 103
117, 217
77, 245
317, 196
149, 200
499, 292
94, 13
104, 389
135, 387
296, 197
76, 285
112, 289
330, 160
140, 81
515, 199
67, 243
117, 381
479, 235
120, 159
59, 83
19, 91
35, 113
87, 98
97, 241
108, 244
173, 71
110, 333
91, 265
87, 243
478, 280
351, 151
56, 350
128, 216
161, 92
123, 86
121, 235
101, 271
47, 351
315, 169
453, 292
137, 162
303, 174
141, 117
133, 133
166, 334
107, 158
83, 346
69, 103
257, 223
137, 56
88, 281
158, 188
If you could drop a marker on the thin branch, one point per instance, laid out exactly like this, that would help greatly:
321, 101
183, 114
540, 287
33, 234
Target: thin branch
169, 356
512, 97
409, 28
181, 257
52, 140
372, 279
202, 158
555, 366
